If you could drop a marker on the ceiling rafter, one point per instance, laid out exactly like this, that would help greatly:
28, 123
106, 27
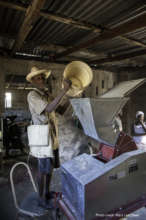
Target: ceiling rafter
31, 15
130, 26
54, 17
118, 58
134, 42
12, 6
70, 21
38, 46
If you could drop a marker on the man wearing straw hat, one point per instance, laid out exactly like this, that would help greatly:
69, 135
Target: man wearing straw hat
42, 111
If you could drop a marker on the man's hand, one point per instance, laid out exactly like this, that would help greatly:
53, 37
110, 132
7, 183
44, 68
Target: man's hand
67, 84
52, 106
141, 122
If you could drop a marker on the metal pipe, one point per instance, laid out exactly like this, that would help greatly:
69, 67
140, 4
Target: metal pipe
65, 210
12, 183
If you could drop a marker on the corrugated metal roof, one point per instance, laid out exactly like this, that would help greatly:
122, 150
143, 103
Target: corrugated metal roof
56, 32
105, 14
115, 46
138, 35
119, 45
10, 20
99, 12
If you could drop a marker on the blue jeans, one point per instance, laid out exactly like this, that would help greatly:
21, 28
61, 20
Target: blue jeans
45, 165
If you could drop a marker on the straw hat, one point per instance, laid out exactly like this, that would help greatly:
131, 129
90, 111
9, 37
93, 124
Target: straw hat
35, 71
81, 76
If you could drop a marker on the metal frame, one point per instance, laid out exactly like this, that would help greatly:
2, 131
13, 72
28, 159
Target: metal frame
65, 210
31, 214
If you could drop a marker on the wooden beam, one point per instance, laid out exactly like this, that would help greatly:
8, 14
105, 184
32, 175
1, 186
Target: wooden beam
54, 17
12, 6
133, 42
40, 46
32, 14
119, 58
45, 46
69, 21
136, 23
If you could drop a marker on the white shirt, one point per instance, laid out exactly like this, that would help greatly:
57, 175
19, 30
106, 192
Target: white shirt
37, 101
140, 140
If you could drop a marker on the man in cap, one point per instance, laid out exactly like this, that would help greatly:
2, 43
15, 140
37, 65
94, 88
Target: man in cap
42, 110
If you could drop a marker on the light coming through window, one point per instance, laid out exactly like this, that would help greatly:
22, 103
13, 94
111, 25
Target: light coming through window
8, 100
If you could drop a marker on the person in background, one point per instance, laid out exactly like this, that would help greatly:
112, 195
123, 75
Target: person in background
42, 109
118, 127
139, 131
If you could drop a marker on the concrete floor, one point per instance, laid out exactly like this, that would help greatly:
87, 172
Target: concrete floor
23, 187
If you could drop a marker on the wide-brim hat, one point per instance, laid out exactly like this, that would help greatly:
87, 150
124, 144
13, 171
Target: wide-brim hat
80, 71
81, 76
35, 71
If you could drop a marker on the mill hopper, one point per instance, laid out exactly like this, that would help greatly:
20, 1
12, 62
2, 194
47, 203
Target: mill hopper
97, 117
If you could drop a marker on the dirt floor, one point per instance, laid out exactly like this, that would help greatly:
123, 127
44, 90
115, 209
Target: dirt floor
23, 188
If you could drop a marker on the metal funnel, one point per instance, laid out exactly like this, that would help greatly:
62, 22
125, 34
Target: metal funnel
97, 117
